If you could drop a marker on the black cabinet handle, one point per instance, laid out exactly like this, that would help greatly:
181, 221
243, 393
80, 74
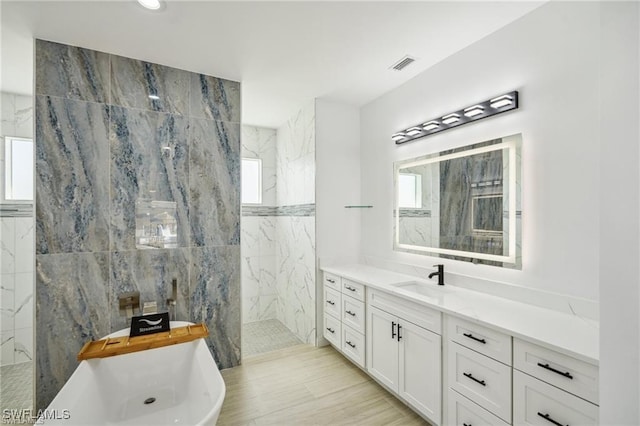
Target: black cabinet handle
353, 314
350, 288
331, 281
464, 424
331, 330
549, 419
331, 302
399, 335
393, 330
562, 373
348, 342
471, 336
474, 379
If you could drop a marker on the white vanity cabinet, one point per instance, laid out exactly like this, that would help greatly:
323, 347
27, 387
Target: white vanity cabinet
478, 372
550, 388
344, 316
404, 351
454, 369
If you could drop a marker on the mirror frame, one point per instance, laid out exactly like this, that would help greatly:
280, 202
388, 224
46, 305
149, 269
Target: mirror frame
510, 143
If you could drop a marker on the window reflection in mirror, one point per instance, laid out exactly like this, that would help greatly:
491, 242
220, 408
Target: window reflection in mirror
468, 204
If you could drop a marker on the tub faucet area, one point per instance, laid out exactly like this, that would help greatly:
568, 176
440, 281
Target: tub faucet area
439, 274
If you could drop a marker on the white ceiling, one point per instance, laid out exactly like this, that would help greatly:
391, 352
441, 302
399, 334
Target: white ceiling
284, 53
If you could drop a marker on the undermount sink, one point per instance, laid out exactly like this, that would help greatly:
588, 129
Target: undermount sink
423, 289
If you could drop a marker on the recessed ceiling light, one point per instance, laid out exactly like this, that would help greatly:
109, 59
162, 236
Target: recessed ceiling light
150, 4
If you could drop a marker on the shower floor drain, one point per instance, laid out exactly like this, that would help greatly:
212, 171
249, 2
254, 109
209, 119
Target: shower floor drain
150, 400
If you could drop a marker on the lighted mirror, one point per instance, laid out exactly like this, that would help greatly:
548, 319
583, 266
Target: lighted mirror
462, 204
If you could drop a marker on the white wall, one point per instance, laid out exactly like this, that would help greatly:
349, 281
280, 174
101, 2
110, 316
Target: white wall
549, 56
619, 214
337, 182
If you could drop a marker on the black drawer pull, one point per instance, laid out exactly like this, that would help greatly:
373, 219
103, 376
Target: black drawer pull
549, 419
348, 342
564, 374
474, 379
399, 335
464, 424
471, 336
353, 314
331, 281
331, 330
349, 288
393, 330
331, 302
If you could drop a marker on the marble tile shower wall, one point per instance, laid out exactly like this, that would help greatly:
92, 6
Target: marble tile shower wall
258, 224
102, 146
295, 229
16, 244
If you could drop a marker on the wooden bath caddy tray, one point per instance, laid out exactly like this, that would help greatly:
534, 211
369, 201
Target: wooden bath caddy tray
124, 345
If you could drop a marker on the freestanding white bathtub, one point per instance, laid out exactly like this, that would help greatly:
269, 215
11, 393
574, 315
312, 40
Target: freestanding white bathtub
172, 385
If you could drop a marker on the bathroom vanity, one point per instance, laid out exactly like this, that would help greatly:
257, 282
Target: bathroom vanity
460, 357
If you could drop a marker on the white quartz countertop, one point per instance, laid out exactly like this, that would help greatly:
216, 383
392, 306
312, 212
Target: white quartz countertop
570, 334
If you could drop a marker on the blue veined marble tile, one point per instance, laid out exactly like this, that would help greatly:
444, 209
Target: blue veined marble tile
149, 172
72, 307
215, 299
133, 81
71, 72
215, 98
72, 177
214, 182
150, 272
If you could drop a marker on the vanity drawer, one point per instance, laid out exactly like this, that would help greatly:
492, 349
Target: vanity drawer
353, 345
332, 281
463, 412
415, 313
481, 339
353, 313
332, 330
483, 380
577, 377
332, 302
353, 289
538, 403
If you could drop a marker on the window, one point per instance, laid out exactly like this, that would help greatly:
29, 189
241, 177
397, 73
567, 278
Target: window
410, 191
251, 181
18, 169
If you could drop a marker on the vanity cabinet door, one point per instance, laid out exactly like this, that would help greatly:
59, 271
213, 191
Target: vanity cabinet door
382, 347
419, 369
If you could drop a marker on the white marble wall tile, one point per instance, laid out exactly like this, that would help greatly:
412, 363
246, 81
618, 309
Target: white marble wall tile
7, 291
7, 351
250, 276
7, 244
17, 115
23, 300
267, 232
23, 345
295, 275
24, 244
250, 229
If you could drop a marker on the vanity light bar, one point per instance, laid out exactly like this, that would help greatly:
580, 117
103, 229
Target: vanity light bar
478, 111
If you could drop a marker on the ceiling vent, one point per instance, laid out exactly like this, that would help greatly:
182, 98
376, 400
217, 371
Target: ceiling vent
403, 63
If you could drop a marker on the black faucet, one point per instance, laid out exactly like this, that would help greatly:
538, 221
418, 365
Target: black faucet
440, 274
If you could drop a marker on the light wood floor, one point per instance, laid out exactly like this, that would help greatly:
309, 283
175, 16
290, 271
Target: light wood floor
304, 385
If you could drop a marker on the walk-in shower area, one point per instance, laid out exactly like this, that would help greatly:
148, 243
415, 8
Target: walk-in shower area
16, 252
278, 235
